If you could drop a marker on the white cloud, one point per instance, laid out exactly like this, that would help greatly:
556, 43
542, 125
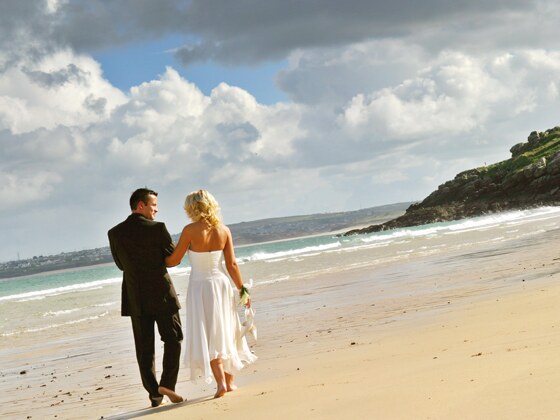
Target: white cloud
456, 94
452, 97
135, 154
384, 106
334, 75
61, 89
21, 190
170, 95
54, 5
167, 134
169, 121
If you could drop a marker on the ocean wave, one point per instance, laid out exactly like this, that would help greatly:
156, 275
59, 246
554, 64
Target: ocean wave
390, 236
279, 255
101, 305
179, 270
272, 281
295, 253
69, 311
41, 294
464, 225
509, 217
51, 326
63, 312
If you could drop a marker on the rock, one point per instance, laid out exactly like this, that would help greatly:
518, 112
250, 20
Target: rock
540, 183
535, 170
526, 180
517, 149
539, 168
553, 166
466, 175
533, 137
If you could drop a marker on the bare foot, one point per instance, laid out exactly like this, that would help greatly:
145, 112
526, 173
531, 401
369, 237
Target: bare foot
220, 392
229, 383
172, 395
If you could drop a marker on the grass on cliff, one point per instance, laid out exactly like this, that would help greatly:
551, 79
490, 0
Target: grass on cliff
547, 146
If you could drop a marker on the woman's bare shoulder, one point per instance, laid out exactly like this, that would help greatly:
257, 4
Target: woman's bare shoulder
191, 227
223, 229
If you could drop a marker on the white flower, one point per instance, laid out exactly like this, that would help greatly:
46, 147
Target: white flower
244, 296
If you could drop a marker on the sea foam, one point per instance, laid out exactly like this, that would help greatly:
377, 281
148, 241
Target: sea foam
41, 294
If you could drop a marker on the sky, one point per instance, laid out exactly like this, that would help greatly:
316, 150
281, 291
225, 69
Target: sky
276, 107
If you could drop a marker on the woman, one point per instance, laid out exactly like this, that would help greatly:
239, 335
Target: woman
214, 342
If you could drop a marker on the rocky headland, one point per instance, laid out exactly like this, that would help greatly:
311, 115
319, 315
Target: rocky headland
530, 178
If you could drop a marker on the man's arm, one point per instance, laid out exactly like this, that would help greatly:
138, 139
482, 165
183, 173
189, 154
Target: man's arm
168, 245
113, 246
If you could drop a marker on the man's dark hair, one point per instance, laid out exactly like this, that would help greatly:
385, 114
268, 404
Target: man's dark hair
141, 194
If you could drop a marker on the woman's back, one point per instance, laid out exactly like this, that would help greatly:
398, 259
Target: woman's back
205, 238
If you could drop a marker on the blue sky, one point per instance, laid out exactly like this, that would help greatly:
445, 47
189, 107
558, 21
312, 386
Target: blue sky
130, 65
277, 107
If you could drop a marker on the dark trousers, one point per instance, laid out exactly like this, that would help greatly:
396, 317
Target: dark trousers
171, 333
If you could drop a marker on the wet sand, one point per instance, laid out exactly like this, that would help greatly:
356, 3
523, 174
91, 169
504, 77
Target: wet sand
467, 332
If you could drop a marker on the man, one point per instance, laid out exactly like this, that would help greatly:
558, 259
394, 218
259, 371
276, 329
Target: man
139, 246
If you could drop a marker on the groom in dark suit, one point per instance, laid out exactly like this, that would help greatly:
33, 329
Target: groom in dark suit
139, 246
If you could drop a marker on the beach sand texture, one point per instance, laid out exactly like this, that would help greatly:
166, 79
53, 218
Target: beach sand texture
470, 331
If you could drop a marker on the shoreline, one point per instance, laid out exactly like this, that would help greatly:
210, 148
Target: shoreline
58, 271
487, 340
107, 257
354, 341
465, 365
111, 263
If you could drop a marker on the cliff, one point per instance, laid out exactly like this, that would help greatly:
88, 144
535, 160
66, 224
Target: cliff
530, 178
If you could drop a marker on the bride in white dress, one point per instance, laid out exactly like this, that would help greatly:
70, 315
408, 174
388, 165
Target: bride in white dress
215, 344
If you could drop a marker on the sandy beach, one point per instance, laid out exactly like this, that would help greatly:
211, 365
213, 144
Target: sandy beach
471, 331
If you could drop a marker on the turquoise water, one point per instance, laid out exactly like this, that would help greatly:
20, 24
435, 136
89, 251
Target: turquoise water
53, 300
40, 284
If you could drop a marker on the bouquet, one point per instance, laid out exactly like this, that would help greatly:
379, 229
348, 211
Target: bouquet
248, 326
244, 294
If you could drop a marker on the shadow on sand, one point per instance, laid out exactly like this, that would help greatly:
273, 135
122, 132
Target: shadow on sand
167, 406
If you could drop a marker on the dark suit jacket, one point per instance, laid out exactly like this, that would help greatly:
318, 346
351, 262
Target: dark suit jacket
139, 247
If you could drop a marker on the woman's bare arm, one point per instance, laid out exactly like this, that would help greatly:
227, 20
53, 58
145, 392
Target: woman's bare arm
231, 264
179, 251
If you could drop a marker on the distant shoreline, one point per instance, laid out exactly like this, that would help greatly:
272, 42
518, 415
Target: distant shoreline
109, 263
244, 233
56, 271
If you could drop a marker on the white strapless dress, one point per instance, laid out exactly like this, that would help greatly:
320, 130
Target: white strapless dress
213, 328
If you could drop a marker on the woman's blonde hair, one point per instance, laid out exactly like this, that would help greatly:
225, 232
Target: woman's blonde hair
202, 205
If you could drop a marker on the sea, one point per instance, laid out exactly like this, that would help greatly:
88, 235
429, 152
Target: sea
56, 300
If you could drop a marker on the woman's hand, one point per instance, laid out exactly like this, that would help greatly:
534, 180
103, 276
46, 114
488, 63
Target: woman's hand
244, 297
